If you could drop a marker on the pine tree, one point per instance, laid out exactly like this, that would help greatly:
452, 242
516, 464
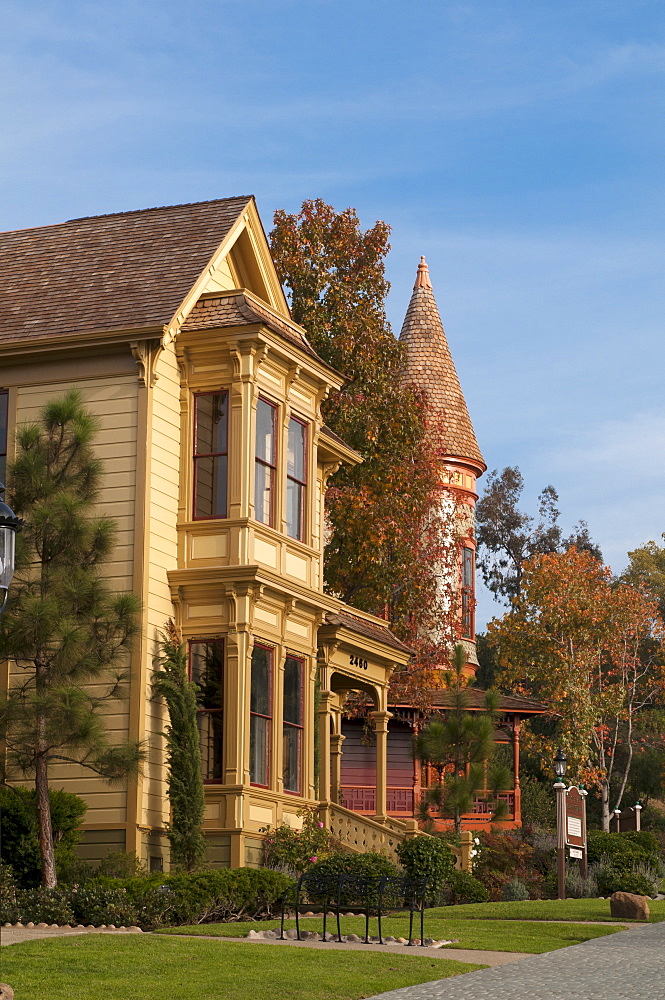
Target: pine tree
65, 633
183, 755
460, 747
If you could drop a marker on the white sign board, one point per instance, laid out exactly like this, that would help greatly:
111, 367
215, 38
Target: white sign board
575, 852
574, 826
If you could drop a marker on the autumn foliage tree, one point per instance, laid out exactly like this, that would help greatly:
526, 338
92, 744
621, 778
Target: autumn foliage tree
389, 536
590, 649
508, 536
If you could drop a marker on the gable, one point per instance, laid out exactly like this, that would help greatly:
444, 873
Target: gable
130, 271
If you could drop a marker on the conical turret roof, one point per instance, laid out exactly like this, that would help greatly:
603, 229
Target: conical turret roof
429, 366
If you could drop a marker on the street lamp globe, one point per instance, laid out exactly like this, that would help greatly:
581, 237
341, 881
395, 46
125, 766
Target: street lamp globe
560, 763
9, 525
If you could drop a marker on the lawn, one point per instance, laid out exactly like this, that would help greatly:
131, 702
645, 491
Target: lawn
152, 968
542, 909
487, 935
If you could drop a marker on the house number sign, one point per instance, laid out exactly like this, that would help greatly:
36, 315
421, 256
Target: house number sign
357, 661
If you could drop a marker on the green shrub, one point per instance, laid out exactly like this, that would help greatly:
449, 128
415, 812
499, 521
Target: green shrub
72, 870
295, 851
20, 841
624, 849
578, 887
503, 857
51, 906
429, 857
222, 895
121, 864
97, 904
515, 891
465, 888
638, 878
538, 806
370, 865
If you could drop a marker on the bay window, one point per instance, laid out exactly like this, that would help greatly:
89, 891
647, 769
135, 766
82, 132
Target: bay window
260, 719
206, 669
265, 462
296, 479
210, 454
293, 724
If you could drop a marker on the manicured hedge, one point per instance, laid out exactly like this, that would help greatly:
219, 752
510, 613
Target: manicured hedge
152, 901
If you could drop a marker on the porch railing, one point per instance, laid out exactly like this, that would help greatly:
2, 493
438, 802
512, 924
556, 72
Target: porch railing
362, 799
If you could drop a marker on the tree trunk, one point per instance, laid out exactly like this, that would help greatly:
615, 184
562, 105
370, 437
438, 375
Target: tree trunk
49, 877
605, 805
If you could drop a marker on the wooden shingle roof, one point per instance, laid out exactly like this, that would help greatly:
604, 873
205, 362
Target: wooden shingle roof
241, 307
110, 272
430, 367
368, 629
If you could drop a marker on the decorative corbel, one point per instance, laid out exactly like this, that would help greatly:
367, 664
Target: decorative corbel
292, 374
321, 396
145, 353
232, 599
329, 469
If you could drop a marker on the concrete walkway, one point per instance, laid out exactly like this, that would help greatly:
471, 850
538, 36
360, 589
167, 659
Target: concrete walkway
17, 935
629, 965
457, 954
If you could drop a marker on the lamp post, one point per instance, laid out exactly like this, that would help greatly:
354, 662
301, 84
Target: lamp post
10, 524
560, 789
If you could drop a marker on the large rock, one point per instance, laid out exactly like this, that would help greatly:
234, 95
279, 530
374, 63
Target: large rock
6, 992
628, 906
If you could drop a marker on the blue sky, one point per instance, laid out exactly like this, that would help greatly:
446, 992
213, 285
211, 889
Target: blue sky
519, 145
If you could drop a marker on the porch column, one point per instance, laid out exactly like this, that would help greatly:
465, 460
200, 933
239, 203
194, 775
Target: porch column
336, 766
381, 732
517, 812
325, 706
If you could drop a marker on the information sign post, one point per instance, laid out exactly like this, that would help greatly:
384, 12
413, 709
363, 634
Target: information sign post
575, 808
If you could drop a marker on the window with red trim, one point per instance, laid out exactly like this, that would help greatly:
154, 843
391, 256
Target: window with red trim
468, 593
296, 479
210, 454
260, 719
265, 462
206, 669
4, 414
292, 730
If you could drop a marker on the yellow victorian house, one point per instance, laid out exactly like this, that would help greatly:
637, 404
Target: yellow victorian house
173, 325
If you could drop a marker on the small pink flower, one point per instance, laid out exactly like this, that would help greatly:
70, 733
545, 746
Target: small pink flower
313, 859
320, 826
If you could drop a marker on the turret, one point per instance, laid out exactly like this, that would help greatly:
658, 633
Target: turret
430, 367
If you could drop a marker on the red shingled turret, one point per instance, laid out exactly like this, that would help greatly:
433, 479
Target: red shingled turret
430, 367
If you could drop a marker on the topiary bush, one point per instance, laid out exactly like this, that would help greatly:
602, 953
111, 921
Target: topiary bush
428, 857
515, 891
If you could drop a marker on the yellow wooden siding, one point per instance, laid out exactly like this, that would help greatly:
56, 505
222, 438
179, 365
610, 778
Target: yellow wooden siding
113, 399
163, 484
